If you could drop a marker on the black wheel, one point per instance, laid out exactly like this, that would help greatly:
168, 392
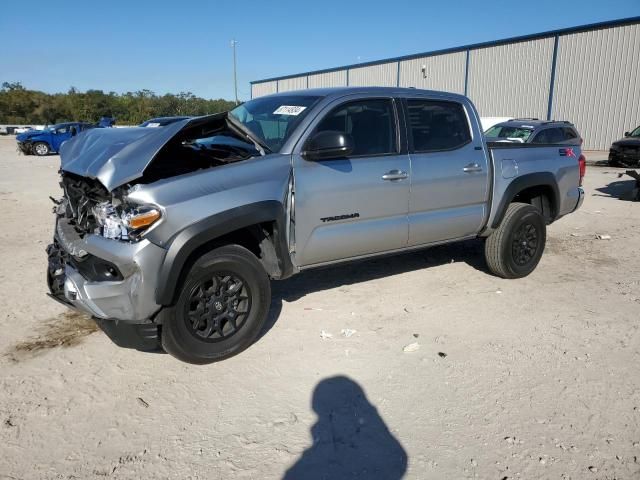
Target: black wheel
41, 149
222, 306
514, 249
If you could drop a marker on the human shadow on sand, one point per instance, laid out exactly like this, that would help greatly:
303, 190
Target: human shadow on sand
350, 439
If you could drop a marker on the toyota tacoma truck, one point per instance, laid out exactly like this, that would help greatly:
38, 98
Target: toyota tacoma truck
170, 236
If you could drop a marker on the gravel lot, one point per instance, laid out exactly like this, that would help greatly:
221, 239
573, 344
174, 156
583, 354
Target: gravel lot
531, 378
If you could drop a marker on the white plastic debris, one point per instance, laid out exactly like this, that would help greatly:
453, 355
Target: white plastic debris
325, 335
412, 347
603, 237
347, 332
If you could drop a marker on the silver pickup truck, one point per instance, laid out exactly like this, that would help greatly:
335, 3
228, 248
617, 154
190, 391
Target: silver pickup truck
170, 236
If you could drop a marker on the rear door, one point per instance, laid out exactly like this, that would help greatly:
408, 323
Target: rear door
356, 205
449, 172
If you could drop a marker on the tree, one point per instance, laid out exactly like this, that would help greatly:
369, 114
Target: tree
22, 106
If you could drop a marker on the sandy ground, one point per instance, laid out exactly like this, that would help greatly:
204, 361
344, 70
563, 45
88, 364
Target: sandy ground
532, 378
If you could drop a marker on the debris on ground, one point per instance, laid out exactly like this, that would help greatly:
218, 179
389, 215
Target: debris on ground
416, 335
603, 237
325, 335
313, 309
347, 332
412, 347
593, 469
442, 355
142, 402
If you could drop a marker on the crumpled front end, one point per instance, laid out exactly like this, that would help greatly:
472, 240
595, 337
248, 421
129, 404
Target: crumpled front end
106, 278
25, 147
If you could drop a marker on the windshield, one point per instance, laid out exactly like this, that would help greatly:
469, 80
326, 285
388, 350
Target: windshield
635, 133
499, 131
272, 119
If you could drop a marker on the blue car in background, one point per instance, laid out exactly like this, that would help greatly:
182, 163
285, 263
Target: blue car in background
43, 142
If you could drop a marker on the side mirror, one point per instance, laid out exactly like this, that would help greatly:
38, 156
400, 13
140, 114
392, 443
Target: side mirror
627, 134
328, 144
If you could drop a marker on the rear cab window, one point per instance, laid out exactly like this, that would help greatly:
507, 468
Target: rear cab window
437, 125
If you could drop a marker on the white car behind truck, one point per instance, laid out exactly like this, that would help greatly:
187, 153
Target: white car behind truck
170, 236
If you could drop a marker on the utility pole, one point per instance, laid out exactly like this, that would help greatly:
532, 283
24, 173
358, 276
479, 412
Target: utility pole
235, 76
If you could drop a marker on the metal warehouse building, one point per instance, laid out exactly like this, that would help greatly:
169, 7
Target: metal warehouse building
589, 75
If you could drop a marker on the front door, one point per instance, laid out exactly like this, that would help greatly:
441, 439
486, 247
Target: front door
60, 135
449, 174
356, 205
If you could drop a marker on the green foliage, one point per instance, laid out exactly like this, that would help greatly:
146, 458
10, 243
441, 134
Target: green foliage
21, 106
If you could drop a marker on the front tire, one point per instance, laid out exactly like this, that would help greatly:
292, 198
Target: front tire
514, 249
40, 149
221, 308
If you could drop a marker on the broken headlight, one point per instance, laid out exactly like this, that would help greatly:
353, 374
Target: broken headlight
124, 222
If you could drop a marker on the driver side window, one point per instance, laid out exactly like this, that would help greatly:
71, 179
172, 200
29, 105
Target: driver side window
62, 130
370, 123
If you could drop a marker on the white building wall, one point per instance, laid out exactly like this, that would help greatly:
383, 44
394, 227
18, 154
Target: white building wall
263, 88
328, 79
597, 84
442, 72
383, 75
512, 79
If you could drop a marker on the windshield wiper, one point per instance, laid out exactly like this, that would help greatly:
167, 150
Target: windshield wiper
245, 132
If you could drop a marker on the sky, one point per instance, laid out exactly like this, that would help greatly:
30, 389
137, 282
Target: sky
171, 46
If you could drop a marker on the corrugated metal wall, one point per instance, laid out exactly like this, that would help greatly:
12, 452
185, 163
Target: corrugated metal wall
328, 79
383, 75
597, 84
443, 72
263, 88
512, 79
296, 83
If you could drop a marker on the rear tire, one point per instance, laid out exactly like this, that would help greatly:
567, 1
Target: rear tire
40, 149
514, 249
221, 308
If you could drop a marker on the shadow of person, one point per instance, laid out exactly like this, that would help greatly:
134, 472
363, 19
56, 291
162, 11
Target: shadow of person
350, 440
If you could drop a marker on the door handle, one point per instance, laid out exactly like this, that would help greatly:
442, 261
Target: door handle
472, 167
395, 175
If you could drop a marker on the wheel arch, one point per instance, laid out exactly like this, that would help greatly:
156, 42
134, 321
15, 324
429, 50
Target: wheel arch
259, 227
538, 189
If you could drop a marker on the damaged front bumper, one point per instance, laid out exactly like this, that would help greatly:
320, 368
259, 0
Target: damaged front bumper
112, 281
25, 147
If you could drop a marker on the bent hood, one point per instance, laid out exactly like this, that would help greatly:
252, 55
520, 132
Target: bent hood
21, 137
627, 142
115, 156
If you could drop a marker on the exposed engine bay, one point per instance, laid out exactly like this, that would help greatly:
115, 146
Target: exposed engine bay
90, 208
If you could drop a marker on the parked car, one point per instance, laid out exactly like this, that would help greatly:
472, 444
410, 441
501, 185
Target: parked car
106, 122
626, 151
171, 235
161, 121
43, 142
532, 130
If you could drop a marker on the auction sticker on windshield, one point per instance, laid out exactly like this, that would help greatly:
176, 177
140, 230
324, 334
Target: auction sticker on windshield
289, 110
